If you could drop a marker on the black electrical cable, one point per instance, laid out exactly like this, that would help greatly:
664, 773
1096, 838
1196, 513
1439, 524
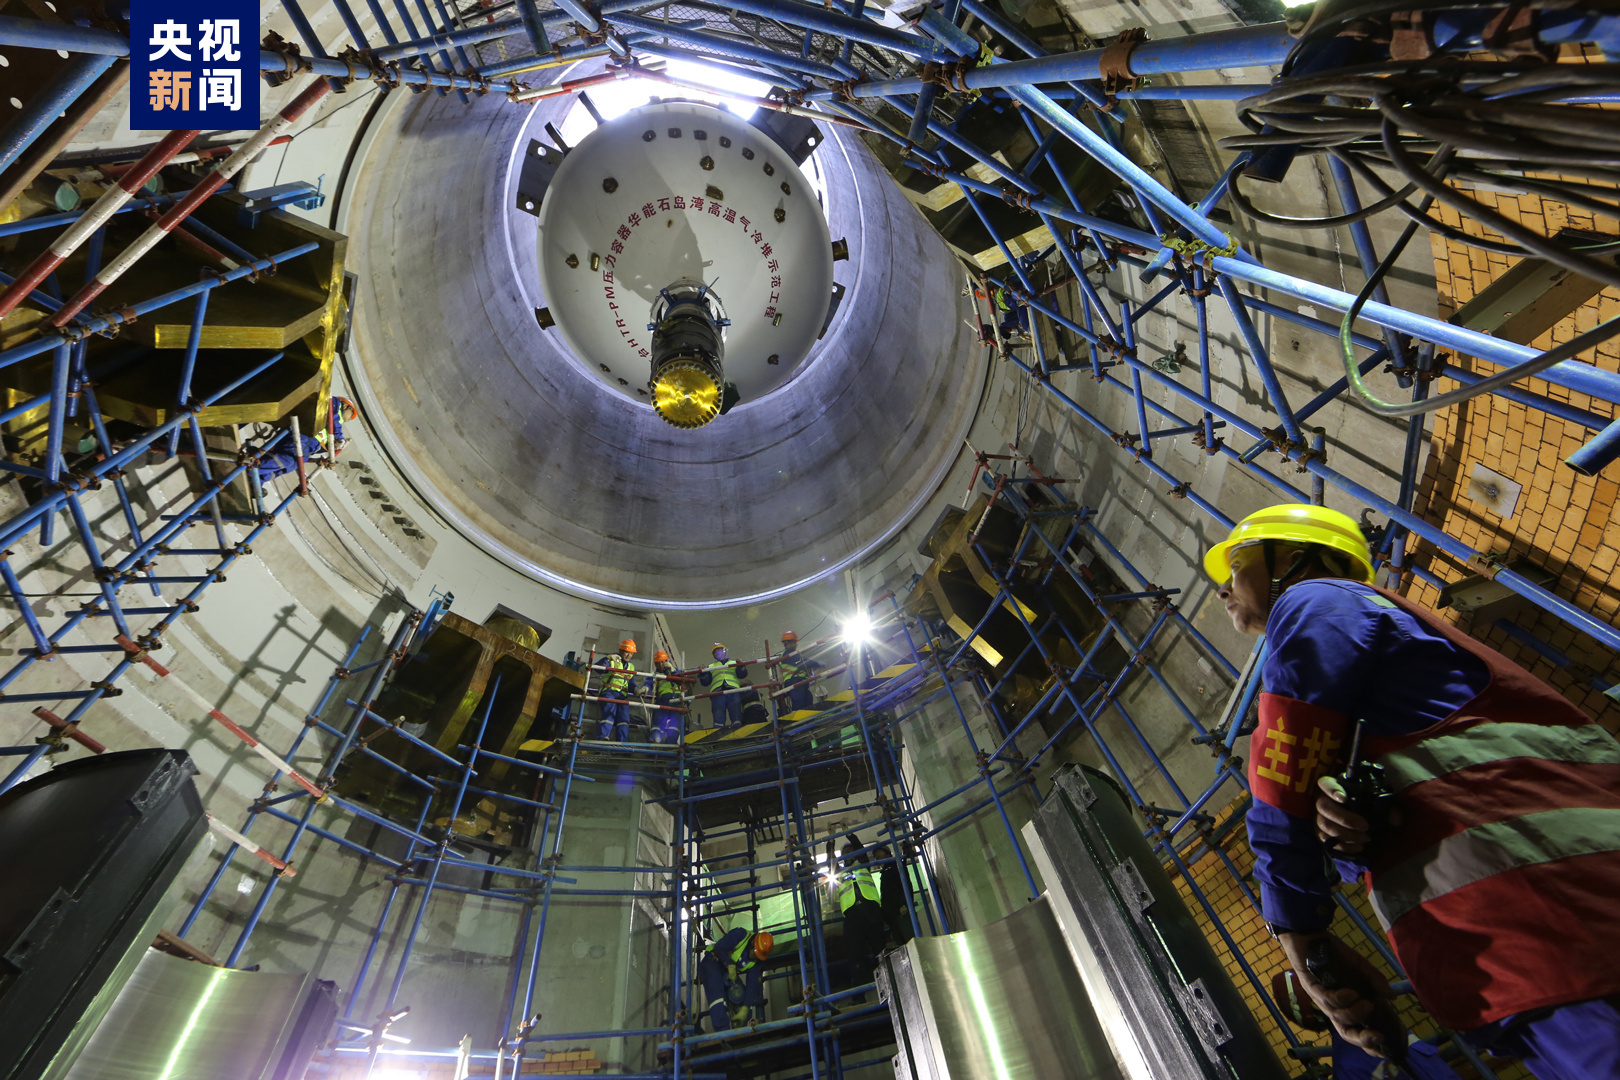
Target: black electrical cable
1363, 214
1562, 254
1433, 224
1575, 347
1480, 122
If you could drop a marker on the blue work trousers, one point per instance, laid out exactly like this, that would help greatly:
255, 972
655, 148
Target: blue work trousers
615, 716
722, 992
727, 709
1423, 1062
667, 725
799, 696
712, 974
1572, 1042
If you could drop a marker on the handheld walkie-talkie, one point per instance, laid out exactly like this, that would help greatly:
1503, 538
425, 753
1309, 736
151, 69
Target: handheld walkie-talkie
1366, 790
1328, 966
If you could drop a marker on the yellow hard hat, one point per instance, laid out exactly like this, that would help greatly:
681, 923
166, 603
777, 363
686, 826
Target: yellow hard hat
1301, 523
628, 645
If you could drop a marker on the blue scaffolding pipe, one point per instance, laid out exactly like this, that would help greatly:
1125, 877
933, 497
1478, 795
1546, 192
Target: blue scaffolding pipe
364, 711
440, 850
253, 815
49, 102
1046, 86
47, 342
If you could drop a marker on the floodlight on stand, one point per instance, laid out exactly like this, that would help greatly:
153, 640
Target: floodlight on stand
858, 629
687, 379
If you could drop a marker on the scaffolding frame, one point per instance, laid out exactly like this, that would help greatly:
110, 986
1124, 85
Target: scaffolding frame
780, 830
833, 62
62, 493
836, 63
773, 764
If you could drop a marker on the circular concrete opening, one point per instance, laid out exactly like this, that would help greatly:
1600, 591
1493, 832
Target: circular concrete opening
684, 194
497, 425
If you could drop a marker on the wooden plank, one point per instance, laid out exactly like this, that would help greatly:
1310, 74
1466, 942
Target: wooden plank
942, 195
174, 946
1038, 239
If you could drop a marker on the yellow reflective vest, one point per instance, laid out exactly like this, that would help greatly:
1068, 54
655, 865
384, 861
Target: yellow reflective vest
619, 674
855, 884
723, 676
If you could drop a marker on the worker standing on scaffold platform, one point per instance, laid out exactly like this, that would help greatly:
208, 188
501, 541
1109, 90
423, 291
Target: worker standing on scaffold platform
1481, 808
1012, 313
796, 674
861, 903
667, 692
724, 679
615, 692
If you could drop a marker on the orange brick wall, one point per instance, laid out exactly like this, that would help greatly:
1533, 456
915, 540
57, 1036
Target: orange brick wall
1567, 524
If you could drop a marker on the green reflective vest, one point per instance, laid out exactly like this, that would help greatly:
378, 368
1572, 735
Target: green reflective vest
741, 949
855, 884
663, 685
619, 674
723, 676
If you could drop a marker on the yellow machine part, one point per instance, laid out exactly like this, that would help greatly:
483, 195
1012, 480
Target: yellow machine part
685, 394
515, 630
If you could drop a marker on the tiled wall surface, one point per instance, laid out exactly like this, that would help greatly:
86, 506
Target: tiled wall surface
1564, 523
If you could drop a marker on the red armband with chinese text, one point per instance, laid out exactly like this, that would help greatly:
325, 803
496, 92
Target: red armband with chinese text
1295, 743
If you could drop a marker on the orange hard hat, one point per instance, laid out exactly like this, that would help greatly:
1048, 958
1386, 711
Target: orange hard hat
628, 645
346, 409
660, 657
763, 942
790, 635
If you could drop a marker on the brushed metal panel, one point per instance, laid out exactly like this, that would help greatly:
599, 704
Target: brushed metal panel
1005, 1003
180, 1020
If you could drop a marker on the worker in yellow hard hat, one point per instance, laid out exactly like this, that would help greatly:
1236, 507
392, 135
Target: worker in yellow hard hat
1468, 807
667, 693
620, 670
724, 679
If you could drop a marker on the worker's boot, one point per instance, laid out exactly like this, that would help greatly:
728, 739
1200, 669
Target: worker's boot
604, 730
624, 732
